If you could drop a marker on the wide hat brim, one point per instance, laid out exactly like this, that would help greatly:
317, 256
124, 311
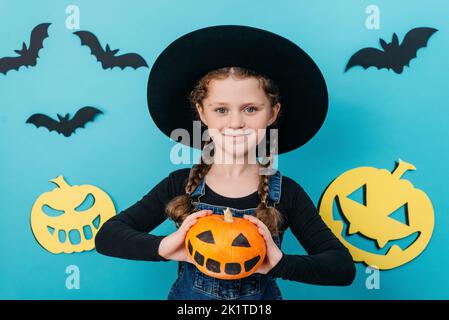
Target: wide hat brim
304, 98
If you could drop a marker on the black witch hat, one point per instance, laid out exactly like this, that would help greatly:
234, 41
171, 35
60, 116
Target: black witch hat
304, 99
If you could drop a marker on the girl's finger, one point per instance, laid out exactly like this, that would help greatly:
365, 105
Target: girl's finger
189, 260
251, 218
256, 221
200, 213
196, 215
263, 233
192, 219
188, 224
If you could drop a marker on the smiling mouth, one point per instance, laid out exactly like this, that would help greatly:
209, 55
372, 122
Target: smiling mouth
73, 235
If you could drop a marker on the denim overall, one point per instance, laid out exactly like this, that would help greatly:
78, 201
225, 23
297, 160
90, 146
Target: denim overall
193, 284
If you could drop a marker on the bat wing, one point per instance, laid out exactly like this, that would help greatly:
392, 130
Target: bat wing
10, 63
128, 60
89, 39
27, 57
414, 40
38, 35
42, 120
83, 116
368, 57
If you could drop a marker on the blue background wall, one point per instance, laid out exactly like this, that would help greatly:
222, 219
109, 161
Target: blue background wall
375, 117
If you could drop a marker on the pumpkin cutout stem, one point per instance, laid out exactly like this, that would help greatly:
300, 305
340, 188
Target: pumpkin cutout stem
402, 168
228, 215
60, 182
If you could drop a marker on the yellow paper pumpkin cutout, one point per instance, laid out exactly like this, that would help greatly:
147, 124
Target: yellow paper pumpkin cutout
67, 199
385, 193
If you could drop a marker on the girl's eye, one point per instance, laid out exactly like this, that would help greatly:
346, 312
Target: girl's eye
221, 110
250, 109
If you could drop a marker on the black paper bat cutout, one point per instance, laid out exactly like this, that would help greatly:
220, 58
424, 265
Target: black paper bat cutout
65, 125
108, 57
394, 55
27, 56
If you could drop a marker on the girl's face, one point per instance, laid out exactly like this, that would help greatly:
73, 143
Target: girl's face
237, 112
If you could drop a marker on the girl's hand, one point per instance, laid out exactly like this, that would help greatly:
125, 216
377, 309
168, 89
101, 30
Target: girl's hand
172, 247
274, 254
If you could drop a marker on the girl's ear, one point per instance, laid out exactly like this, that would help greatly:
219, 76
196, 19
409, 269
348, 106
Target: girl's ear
274, 113
200, 111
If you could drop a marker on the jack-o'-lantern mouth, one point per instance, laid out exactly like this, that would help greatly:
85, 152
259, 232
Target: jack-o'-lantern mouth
372, 244
74, 235
231, 268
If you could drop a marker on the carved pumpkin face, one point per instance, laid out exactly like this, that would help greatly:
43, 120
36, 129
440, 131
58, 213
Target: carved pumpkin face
385, 193
68, 217
225, 247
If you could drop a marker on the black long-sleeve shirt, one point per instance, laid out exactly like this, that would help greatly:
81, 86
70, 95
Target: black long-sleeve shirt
328, 262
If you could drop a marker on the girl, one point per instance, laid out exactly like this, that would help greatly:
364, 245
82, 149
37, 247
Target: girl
237, 101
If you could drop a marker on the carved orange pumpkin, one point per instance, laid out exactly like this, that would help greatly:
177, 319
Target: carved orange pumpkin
225, 247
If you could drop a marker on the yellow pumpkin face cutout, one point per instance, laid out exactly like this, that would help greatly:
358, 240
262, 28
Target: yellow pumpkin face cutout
384, 194
60, 221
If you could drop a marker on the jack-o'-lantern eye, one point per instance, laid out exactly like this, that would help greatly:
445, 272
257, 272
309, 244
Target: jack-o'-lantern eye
52, 212
240, 241
206, 236
87, 203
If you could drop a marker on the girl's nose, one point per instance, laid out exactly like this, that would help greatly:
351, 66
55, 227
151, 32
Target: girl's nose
236, 121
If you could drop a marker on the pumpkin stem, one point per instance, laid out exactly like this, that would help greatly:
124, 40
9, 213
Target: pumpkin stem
228, 215
60, 182
402, 168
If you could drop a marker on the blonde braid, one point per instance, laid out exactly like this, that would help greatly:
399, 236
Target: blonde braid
181, 206
270, 216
